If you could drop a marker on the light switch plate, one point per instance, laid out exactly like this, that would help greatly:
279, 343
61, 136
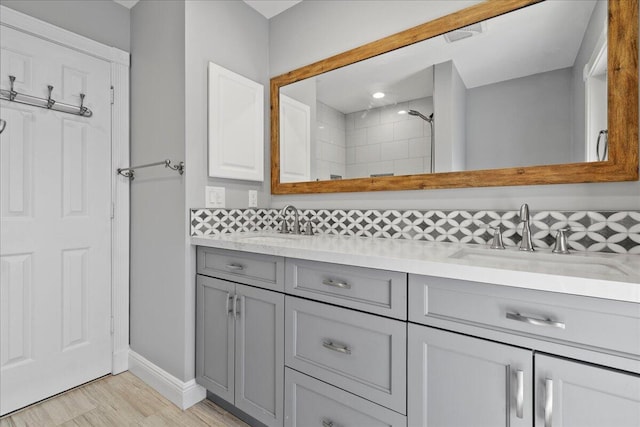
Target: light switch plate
253, 198
214, 197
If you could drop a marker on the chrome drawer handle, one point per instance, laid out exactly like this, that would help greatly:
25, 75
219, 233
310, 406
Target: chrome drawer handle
548, 403
336, 347
520, 394
535, 321
336, 284
235, 267
327, 423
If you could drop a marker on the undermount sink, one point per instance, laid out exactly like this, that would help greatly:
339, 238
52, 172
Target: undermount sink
269, 238
561, 264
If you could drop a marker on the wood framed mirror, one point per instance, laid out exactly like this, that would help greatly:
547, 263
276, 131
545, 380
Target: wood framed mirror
620, 123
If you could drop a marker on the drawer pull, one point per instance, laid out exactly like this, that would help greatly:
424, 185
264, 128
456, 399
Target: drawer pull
548, 403
336, 347
327, 423
535, 321
519, 394
336, 284
235, 267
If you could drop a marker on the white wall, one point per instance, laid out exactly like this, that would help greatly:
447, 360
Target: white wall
104, 21
449, 101
314, 30
158, 212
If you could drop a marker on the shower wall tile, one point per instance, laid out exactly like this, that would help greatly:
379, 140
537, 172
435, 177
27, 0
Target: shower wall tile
604, 231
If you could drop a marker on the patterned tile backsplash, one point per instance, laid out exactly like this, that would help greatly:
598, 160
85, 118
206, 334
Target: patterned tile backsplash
610, 231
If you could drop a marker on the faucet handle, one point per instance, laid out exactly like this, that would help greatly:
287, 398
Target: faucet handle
561, 246
496, 242
284, 228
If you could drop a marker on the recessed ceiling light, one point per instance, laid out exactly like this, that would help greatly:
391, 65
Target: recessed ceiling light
402, 112
378, 95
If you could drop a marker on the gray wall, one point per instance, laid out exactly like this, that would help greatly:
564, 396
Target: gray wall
101, 20
234, 36
159, 325
313, 30
521, 122
594, 29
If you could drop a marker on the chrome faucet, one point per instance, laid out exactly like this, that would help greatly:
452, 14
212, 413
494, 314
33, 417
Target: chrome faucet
296, 220
525, 244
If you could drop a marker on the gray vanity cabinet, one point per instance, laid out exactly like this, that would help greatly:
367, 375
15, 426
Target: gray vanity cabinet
456, 380
570, 393
239, 346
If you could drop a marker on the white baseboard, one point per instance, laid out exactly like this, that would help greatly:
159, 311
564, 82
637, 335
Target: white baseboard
182, 394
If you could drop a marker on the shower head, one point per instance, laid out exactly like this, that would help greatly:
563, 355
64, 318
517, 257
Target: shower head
422, 116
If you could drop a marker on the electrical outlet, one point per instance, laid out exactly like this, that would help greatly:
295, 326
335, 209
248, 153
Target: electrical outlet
214, 197
253, 198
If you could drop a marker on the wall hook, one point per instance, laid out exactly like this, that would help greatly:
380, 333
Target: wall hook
83, 109
12, 93
50, 101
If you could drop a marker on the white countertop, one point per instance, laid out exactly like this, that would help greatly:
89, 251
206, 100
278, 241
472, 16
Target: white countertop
593, 274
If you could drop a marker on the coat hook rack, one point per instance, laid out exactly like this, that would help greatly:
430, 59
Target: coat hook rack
48, 102
130, 172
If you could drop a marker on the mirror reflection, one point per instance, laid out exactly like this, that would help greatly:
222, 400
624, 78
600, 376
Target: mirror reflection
522, 89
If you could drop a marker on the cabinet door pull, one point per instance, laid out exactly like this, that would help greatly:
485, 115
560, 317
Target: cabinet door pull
519, 394
235, 267
327, 423
534, 321
336, 283
235, 309
229, 310
548, 403
336, 347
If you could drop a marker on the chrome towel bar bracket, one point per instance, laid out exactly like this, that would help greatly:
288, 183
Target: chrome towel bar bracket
130, 172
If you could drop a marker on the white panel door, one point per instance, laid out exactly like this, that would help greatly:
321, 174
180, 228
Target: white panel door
55, 249
295, 140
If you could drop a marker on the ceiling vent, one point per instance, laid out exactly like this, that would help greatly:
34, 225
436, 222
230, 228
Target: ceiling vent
465, 32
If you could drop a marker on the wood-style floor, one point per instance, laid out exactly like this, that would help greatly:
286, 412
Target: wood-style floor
121, 400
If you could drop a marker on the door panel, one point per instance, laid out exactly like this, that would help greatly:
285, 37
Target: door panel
215, 336
260, 354
55, 248
462, 381
583, 395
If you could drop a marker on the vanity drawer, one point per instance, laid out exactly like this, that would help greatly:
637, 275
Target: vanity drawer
376, 291
603, 324
361, 353
265, 271
309, 402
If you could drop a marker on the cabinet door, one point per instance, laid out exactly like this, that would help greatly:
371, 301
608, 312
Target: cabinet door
462, 381
260, 354
215, 336
574, 394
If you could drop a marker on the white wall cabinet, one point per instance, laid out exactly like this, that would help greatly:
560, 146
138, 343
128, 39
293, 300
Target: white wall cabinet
236, 126
239, 348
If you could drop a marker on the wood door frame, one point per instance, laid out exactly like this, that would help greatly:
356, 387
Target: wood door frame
119, 196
